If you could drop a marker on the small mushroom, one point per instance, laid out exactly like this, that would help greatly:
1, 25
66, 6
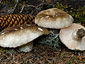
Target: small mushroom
53, 18
21, 36
73, 37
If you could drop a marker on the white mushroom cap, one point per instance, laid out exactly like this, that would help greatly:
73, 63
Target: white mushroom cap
20, 35
53, 18
81, 45
70, 38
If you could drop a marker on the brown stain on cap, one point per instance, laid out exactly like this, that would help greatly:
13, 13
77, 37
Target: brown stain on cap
52, 14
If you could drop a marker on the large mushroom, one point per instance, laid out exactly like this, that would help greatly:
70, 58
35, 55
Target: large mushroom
73, 37
21, 36
53, 18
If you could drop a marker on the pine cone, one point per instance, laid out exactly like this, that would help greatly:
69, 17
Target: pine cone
14, 20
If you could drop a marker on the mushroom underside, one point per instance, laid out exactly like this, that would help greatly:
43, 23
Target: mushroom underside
70, 38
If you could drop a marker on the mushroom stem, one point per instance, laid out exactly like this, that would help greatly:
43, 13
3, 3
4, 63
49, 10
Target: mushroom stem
81, 33
26, 47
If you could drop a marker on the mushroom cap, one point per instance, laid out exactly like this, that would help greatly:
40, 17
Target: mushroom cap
53, 18
69, 39
20, 35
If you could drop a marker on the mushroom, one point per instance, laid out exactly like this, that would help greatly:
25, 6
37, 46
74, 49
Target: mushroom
53, 18
21, 36
73, 37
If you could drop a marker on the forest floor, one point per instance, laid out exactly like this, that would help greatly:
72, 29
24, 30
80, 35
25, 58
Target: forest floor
42, 54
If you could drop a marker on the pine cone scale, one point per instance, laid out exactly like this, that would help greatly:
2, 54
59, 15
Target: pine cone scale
14, 20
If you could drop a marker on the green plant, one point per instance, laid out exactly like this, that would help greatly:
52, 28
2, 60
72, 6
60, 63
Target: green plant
69, 62
3, 50
77, 58
83, 61
62, 55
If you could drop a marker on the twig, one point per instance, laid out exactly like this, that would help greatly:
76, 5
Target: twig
14, 7
22, 8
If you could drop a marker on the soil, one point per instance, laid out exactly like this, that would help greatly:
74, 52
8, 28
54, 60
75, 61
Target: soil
81, 33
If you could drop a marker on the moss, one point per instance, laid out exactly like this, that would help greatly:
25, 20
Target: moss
51, 40
77, 13
69, 62
83, 61
4, 55
3, 50
77, 58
